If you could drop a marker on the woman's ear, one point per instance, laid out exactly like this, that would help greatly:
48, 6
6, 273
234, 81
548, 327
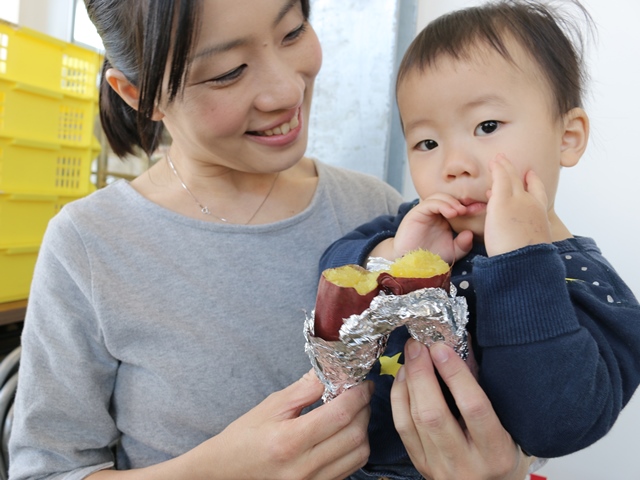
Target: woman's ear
128, 91
575, 136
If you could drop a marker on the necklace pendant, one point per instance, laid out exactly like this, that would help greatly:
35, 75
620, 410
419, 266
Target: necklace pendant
204, 209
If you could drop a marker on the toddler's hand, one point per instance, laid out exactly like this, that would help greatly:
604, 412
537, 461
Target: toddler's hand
426, 226
516, 211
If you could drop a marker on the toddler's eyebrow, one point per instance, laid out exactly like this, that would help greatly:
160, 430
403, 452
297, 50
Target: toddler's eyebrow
485, 99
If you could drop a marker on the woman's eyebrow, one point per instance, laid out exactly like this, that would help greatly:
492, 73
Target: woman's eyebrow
226, 46
284, 10
223, 47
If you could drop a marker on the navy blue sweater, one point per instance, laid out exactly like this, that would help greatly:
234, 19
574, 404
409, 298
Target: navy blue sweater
555, 331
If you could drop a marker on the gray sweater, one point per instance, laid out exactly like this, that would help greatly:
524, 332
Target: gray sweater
159, 330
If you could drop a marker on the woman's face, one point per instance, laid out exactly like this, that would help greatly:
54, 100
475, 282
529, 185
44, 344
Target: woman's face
248, 94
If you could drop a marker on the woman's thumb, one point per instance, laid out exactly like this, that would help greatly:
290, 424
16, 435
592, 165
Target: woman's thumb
303, 393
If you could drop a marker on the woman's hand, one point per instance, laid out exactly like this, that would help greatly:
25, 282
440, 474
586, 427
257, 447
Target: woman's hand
441, 448
273, 441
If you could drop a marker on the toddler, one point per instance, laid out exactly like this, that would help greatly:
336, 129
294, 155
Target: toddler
490, 99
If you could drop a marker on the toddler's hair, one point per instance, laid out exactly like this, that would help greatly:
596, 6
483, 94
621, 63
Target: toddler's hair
553, 39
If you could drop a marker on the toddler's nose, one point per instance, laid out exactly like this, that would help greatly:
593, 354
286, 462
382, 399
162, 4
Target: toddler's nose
459, 162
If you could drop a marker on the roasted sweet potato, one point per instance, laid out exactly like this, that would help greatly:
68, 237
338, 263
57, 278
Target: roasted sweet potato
415, 270
342, 292
348, 290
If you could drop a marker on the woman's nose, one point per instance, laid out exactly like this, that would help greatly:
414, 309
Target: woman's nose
280, 87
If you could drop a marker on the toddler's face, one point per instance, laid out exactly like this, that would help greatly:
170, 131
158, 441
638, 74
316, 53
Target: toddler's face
458, 115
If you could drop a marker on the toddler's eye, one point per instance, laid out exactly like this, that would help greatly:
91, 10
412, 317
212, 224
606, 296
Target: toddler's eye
485, 128
427, 145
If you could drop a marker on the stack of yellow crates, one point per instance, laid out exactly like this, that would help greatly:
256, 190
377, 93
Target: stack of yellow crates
48, 110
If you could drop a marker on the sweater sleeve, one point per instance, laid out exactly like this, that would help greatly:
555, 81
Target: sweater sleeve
560, 340
354, 247
62, 427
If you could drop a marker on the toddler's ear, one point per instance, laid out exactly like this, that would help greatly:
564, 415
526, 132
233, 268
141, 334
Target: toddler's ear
575, 137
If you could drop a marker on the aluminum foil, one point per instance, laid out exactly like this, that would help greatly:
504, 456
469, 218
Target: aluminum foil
430, 314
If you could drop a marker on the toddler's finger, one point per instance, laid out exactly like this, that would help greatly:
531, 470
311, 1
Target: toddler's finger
463, 243
535, 187
444, 205
514, 177
501, 185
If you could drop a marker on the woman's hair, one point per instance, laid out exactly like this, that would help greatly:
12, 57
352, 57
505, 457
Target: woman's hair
552, 40
139, 37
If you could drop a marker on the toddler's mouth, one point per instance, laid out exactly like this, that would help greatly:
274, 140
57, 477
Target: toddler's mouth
469, 201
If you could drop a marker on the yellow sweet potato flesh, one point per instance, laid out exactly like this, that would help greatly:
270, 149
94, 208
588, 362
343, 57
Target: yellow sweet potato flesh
419, 264
352, 276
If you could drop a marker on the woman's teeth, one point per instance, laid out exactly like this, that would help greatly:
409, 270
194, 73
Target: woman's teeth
282, 129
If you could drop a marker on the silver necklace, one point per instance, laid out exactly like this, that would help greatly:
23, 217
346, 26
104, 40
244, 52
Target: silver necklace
204, 209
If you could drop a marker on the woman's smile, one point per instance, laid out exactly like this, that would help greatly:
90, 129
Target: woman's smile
282, 134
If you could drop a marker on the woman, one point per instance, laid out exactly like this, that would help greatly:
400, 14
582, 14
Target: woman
165, 317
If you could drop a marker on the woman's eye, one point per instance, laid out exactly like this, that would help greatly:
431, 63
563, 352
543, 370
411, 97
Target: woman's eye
296, 33
485, 128
427, 145
229, 76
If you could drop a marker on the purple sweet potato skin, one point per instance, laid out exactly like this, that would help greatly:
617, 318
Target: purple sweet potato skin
334, 304
401, 286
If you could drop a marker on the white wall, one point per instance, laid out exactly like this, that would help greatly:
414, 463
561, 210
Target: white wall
600, 198
53, 17
9, 10
352, 104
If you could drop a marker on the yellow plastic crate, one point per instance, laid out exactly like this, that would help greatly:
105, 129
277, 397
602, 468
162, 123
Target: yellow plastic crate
30, 57
24, 217
53, 170
16, 264
41, 116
